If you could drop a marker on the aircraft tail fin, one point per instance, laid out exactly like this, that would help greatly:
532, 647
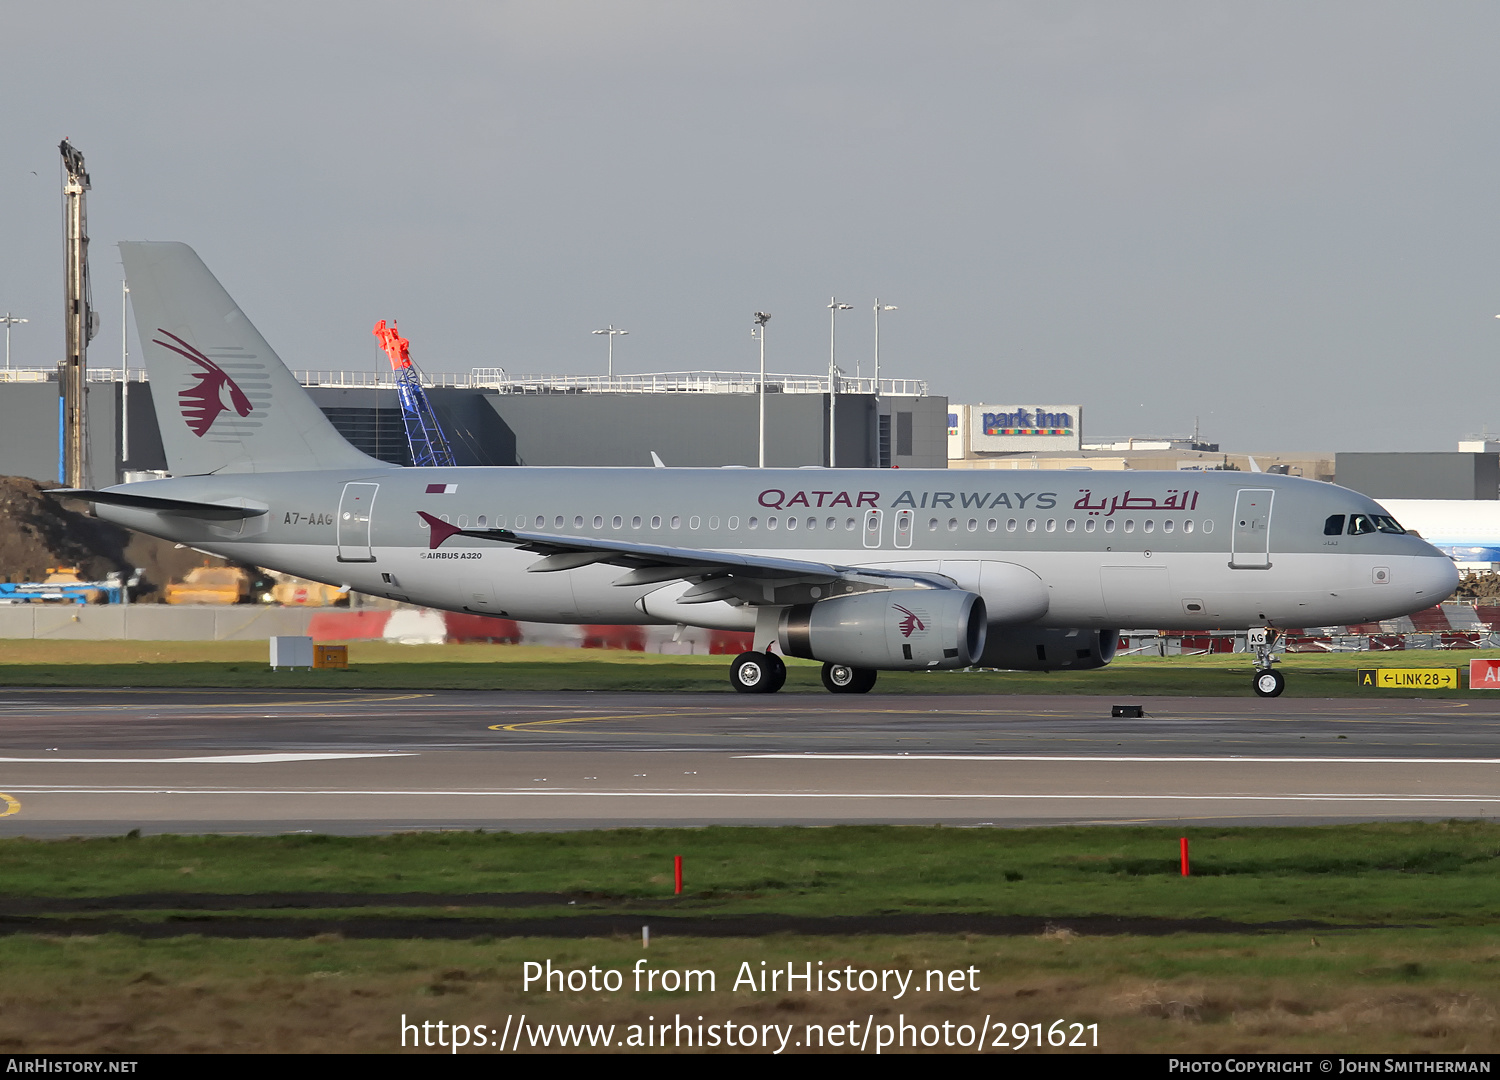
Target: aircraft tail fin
224, 400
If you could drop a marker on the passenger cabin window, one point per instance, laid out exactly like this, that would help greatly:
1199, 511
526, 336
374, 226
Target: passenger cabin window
1334, 526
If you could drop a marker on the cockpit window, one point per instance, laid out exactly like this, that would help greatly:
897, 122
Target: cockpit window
1360, 524
1334, 526
1389, 525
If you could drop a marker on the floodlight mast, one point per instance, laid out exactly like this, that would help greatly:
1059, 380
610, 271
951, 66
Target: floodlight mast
9, 320
879, 307
758, 331
81, 321
834, 307
612, 332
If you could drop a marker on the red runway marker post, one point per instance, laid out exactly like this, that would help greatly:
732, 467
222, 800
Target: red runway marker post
677, 874
1183, 844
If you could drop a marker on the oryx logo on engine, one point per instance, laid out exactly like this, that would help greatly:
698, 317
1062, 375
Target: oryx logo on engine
911, 624
202, 403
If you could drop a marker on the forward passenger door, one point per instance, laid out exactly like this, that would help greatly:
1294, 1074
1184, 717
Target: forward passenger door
1251, 547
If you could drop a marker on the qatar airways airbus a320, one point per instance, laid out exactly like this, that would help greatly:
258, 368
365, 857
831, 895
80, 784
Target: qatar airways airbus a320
864, 570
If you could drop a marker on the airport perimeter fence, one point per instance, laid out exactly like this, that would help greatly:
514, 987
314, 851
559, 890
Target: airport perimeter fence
1161, 643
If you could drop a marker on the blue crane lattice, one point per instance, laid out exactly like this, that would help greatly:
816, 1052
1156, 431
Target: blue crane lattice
429, 446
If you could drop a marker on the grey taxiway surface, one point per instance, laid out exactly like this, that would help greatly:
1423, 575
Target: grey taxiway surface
89, 762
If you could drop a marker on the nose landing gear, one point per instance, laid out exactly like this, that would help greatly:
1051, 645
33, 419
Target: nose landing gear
1267, 683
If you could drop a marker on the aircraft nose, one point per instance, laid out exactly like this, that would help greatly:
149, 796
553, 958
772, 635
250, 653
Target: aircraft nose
1434, 577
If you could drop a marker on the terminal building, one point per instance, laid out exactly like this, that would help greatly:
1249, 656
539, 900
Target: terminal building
690, 419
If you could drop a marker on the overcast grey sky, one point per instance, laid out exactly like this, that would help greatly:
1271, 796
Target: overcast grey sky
1277, 216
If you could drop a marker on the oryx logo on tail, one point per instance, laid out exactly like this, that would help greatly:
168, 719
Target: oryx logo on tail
911, 624
201, 404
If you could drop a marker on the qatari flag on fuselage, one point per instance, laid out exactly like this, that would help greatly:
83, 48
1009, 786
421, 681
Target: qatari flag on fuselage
442, 489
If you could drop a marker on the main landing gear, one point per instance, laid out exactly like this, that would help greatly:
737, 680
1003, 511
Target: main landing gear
757, 673
843, 679
1267, 683
765, 673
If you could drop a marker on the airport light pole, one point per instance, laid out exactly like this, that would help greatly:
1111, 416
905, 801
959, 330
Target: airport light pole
834, 307
611, 331
124, 371
758, 331
879, 307
81, 321
9, 320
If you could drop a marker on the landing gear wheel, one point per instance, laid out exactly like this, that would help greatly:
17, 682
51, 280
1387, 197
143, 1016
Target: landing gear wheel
775, 672
757, 673
843, 679
1269, 683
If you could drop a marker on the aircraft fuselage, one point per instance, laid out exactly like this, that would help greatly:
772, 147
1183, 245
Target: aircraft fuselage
1178, 550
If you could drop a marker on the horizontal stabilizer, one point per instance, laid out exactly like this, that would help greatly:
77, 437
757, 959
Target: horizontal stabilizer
178, 507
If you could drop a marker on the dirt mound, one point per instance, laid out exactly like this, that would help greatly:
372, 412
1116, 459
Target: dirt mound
38, 533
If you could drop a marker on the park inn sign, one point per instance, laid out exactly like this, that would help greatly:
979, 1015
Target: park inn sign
991, 429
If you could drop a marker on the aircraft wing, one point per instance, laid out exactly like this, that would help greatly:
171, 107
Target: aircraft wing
722, 575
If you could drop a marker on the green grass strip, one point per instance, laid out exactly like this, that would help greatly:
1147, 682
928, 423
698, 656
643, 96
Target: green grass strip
1377, 874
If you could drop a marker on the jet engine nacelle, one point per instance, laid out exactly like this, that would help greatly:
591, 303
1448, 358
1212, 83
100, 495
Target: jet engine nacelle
900, 629
1041, 649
